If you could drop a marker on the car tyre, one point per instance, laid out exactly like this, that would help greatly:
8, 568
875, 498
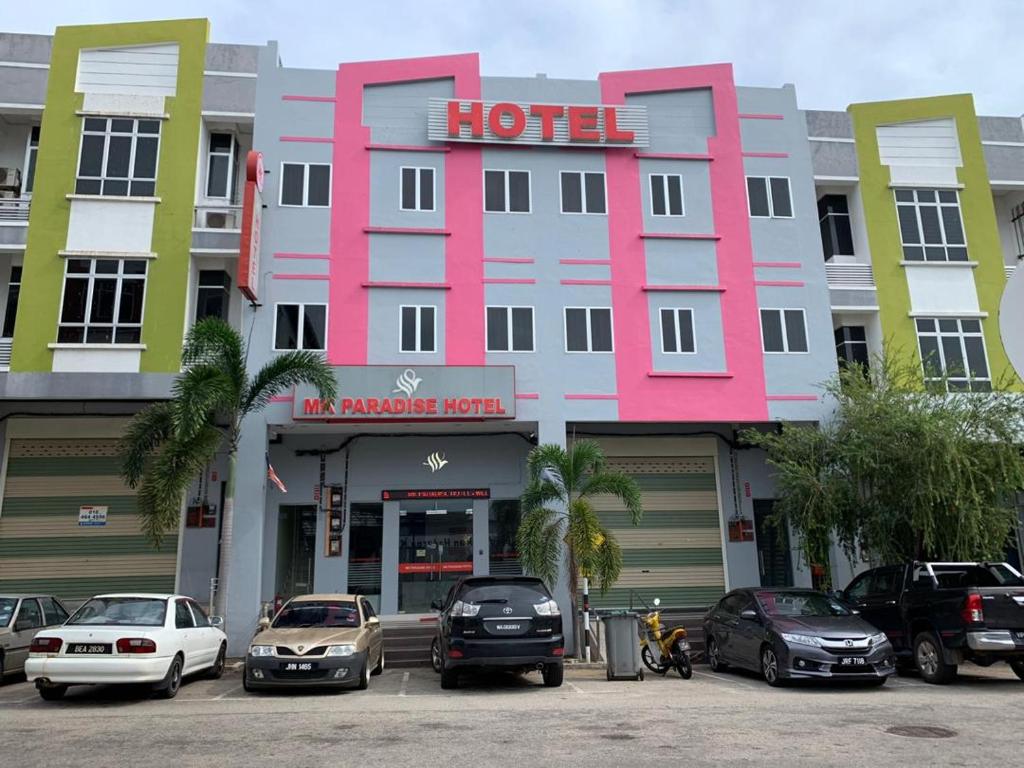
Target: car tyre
770, 667
217, 670
380, 663
553, 675
1018, 668
52, 692
171, 684
364, 676
714, 655
449, 678
435, 655
930, 662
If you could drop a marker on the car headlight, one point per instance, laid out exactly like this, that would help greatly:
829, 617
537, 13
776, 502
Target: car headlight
261, 650
341, 650
878, 639
802, 639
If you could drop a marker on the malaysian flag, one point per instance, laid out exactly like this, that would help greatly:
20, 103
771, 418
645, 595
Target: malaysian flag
272, 476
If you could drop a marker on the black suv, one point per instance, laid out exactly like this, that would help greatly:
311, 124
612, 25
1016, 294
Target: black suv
511, 622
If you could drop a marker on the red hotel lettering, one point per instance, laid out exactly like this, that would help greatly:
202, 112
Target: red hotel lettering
611, 128
500, 129
583, 124
547, 114
474, 118
314, 405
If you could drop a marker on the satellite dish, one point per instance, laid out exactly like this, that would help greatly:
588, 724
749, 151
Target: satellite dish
1011, 319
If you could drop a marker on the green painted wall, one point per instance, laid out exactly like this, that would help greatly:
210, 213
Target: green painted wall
167, 284
976, 207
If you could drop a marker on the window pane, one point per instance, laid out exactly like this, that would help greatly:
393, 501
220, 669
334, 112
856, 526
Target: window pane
408, 330
138, 267
675, 196
948, 326
494, 191
426, 189
930, 356
572, 193
576, 330
128, 335
11, 311
117, 187
844, 234
408, 189
951, 221
595, 192
934, 253
287, 333
103, 292
142, 189
121, 125
955, 365
771, 330
976, 361
657, 194
30, 172
88, 186
926, 195
314, 324
118, 156
219, 142
145, 159
519, 191
601, 330
781, 204
99, 334
522, 329
908, 224
91, 162
796, 333
107, 266
497, 329
319, 185
957, 253
757, 194
211, 302
292, 181
913, 253
149, 126
971, 326
75, 292
130, 309
904, 195
71, 334
96, 124
930, 224
668, 331
217, 176
427, 329
79, 266
686, 343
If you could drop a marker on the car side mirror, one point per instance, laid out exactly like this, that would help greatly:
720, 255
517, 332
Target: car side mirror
262, 624
436, 605
217, 622
373, 621
750, 615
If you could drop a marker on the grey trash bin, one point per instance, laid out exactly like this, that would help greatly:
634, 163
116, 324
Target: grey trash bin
622, 644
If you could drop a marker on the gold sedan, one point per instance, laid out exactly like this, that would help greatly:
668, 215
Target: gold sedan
316, 640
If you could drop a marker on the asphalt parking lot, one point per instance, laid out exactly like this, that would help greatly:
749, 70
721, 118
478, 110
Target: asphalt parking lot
405, 719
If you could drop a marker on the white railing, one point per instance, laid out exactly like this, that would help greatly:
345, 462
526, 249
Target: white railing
218, 217
1009, 269
14, 208
850, 276
5, 353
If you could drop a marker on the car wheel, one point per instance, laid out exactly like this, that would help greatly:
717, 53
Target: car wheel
553, 674
714, 655
364, 676
217, 670
380, 662
930, 662
1018, 668
171, 684
770, 666
435, 655
52, 692
449, 678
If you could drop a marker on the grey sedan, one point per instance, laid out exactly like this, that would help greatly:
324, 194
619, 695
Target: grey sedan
21, 616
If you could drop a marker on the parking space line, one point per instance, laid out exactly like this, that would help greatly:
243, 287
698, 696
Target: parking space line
575, 687
723, 679
224, 695
405, 684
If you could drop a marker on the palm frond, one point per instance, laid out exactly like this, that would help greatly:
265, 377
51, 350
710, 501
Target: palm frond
540, 494
214, 342
539, 543
200, 393
585, 457
285, 371
617, 484
546, 456
147, 431
607, 563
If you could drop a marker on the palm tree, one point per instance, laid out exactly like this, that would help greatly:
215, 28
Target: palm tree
559, 522
171, 442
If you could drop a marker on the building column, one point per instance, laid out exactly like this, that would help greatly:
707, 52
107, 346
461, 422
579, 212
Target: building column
481, 538
389, 560
552, 431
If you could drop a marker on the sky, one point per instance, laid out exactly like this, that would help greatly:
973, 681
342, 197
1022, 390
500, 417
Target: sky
836, 53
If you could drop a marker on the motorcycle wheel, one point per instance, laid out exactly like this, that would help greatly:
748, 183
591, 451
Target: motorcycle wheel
651, 664
683, 665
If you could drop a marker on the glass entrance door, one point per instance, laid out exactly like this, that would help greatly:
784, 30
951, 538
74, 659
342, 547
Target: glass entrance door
435, 548
296, 550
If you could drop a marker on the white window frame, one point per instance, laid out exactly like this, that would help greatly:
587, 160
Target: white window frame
945, 245
960, 335
664, 186
419, 326
302, 331
229, 187
508, 202
91, 276
107, 133
31, 150
419, 172
305, 185
785, 333
676, 312
508, 325
771, 199
590, 336
583, 194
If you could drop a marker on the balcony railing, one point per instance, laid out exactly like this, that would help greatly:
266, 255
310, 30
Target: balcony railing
218, 217
5, 354
1009, 269
850, 276
14, 208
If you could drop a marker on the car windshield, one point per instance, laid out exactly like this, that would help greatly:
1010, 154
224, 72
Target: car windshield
6, 610
121, 611
800, 604
499, 594
318, 613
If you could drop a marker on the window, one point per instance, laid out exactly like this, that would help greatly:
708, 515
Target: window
300, 326
504, 517
930, 225
783, 330
305, 185
768, 197
510, 329
182, 615
852, 345
54, 612
118, 157
666, 195
588, 329
102, 301
582, 192
417, 189
11, 310
507, 191
365, 608
677, 331
202, 620
417, 331
220, 166
30, 161
834, 221
213, 294
954, 348
29, 617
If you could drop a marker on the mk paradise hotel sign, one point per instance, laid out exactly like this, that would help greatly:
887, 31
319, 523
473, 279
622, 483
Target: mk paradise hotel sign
507, 122
405, 393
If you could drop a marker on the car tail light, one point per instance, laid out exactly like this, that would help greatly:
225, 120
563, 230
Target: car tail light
465, 609
973, 612
454, 653
559, 651
135, 645
46, 645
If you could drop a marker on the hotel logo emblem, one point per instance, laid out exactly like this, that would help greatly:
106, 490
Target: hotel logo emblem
408, 382
435, 461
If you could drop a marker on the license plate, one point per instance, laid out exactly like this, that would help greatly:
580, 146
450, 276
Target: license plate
298, 666
86, 648
853, 661
508, 627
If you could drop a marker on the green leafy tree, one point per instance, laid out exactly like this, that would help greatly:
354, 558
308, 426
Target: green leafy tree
902, 471
559, 524
170, 443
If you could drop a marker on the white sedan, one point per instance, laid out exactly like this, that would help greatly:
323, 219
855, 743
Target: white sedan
128, 638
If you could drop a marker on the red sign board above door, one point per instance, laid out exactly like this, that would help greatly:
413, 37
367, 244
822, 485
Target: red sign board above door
436, 494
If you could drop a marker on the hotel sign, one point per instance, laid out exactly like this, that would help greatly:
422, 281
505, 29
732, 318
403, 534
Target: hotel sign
252, 223
507, 122
406, 393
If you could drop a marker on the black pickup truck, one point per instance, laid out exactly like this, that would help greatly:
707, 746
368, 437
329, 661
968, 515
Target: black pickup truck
939, 615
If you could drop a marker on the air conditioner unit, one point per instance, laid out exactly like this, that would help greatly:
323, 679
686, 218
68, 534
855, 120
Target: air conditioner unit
219, 220
10, 179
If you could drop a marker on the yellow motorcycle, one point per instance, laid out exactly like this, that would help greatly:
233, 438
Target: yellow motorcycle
664, 649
